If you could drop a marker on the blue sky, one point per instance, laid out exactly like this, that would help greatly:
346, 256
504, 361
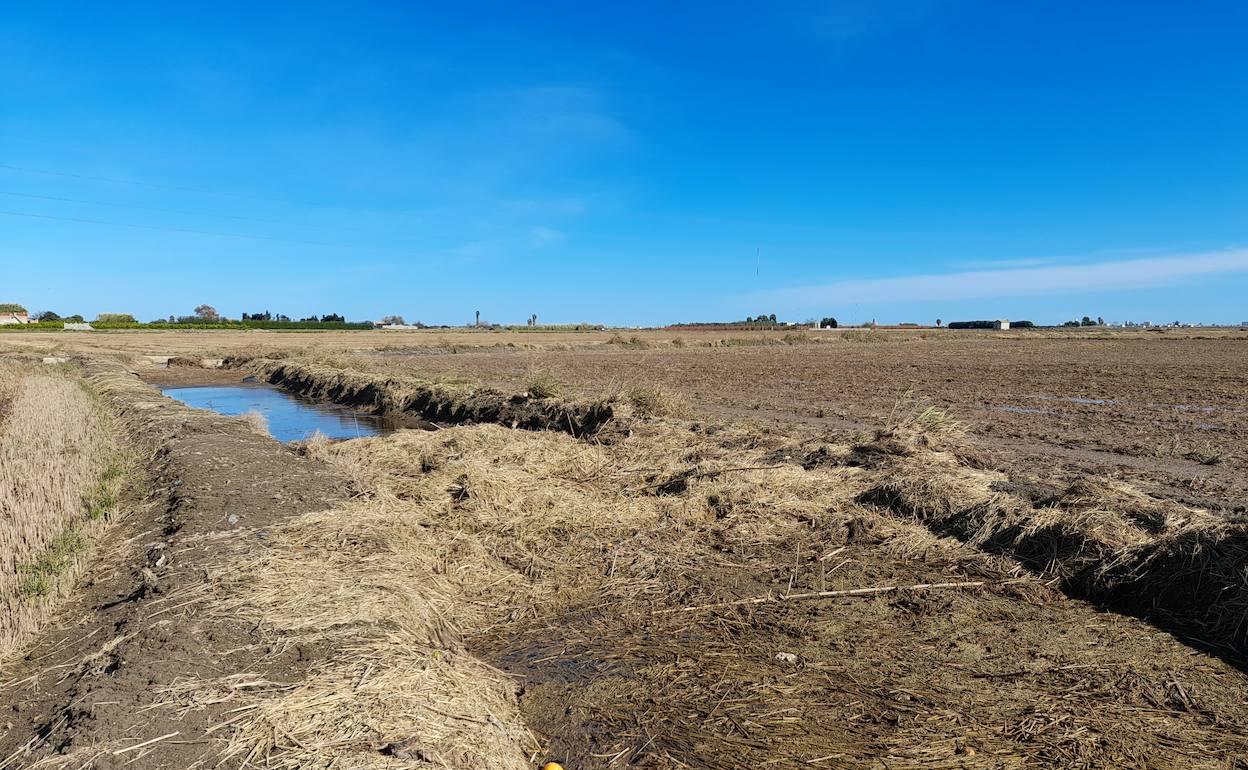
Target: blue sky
627, 163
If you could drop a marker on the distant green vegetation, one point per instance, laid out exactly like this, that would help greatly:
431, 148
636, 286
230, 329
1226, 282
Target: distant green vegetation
38, 578
218, 324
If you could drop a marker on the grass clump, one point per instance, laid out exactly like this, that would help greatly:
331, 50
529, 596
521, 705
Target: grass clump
655, 401
39, 577
633, 343
864, 335
257, 422
542, 385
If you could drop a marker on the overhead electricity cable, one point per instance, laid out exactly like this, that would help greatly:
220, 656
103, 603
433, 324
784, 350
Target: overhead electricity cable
194, 232
113, 180
199, 190
178, 211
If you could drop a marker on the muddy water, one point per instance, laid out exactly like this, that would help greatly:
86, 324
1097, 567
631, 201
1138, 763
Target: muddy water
289, 418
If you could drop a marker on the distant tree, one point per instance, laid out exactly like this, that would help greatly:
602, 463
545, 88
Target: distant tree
827, 323
332, 318
938, 322
73, 319
172, 320
281, 317
115, 318
478, 321
206, 313
1071, 323
395, 320
48, 316
772, 318
1100, 321
1087, 322
310, 319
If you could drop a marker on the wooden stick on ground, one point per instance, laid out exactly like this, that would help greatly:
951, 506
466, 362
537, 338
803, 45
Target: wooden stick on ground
830, 595
145, 743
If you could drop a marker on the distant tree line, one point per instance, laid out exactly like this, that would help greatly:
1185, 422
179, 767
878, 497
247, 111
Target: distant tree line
989, 325
1086, 321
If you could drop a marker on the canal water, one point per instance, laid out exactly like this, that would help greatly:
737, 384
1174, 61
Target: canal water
289, 417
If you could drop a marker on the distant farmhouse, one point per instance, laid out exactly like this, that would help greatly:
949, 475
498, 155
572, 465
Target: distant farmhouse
13, 314
1001, 324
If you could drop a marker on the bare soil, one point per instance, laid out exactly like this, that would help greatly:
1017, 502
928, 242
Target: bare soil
1167, 413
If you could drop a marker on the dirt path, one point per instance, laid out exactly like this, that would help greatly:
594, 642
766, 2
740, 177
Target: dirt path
81, 695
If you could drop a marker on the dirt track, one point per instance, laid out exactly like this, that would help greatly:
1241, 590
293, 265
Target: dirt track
81, 691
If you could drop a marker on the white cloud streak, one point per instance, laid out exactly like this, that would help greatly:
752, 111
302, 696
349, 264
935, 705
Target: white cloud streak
1119, 275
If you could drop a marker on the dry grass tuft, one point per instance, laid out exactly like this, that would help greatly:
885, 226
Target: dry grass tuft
542, 385
655, 401
914, 429
257, 422
633, 343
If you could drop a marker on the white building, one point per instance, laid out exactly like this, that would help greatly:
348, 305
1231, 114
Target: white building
1001, 324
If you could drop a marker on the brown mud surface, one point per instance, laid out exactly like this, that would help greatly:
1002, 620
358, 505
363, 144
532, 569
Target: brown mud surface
1167, 413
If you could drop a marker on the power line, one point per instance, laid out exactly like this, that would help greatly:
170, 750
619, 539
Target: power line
113, 180
200, 190
177, 211
190, 231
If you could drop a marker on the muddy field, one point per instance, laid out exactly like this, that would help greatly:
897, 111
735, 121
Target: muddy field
865, 551
1165, 410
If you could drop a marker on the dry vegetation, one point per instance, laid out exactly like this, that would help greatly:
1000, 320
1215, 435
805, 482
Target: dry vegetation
676, 593
61, 471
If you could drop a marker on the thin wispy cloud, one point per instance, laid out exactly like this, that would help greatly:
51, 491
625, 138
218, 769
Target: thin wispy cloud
1118, 275
540, 236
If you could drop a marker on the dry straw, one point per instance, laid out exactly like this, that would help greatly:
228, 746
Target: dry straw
61, 470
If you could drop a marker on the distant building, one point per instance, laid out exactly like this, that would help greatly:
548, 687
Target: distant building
13, 314
1001, 324
1243, 324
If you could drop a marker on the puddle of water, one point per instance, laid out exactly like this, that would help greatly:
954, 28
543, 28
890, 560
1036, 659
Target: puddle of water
1023, 410
289, 418
1196, 408
1077, 400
